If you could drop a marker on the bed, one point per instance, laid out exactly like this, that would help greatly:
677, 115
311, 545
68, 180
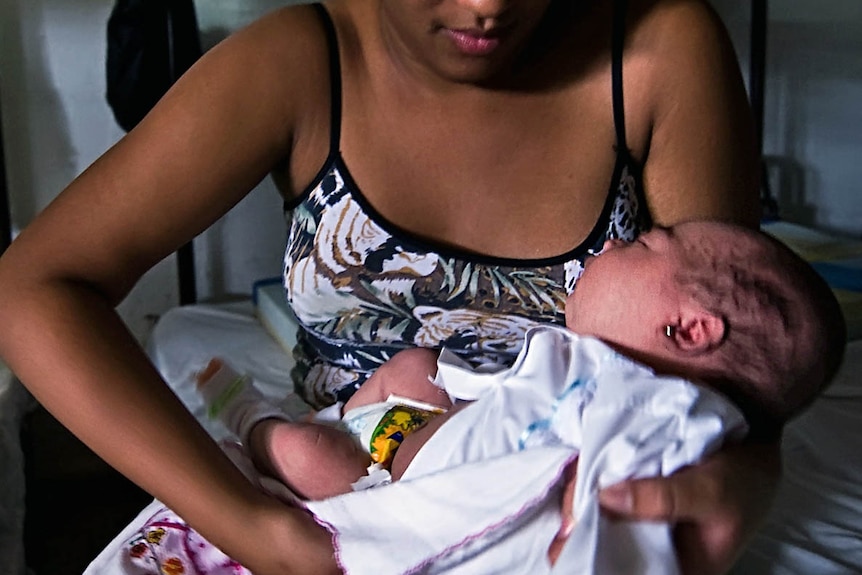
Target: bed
815, 525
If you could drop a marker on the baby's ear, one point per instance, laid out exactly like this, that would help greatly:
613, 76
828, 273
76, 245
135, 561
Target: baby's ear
698, 331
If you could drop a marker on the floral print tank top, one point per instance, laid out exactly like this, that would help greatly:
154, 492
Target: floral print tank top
362, 290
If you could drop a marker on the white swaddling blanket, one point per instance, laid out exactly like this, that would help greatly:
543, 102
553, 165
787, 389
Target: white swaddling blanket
483, 495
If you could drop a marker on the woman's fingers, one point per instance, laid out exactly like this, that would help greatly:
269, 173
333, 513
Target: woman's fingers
710, 548
686, 495
716, 505
567, 510
567, 518
739, 476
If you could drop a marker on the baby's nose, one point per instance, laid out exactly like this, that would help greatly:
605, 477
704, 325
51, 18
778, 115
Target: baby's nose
611, 244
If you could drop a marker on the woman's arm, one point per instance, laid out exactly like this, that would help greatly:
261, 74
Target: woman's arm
699, 152
210, 140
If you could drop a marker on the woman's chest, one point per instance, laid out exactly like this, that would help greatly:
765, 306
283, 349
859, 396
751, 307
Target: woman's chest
509, 181
351, 276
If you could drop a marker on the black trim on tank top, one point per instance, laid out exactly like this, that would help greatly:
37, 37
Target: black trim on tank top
419, 244
334, 103
334, 78
335, 161
619, 39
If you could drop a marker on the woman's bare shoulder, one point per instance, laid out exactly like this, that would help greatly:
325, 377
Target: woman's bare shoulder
688, 85
274, 77
678, 15
288, 45
679, 37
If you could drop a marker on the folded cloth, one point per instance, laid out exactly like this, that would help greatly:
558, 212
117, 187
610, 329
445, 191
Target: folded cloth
483, 495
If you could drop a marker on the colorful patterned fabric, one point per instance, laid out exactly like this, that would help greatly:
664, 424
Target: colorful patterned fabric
399, 422
166, 545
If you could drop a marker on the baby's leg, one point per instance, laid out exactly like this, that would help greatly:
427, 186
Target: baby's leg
315, 461
408, 374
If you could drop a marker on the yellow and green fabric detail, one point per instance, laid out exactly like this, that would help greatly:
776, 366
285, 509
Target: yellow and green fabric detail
396, 424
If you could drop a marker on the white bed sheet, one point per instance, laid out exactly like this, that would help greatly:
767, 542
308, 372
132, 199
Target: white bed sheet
187, 337
814, 528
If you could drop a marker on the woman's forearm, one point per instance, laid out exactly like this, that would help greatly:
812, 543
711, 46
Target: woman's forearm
68, 346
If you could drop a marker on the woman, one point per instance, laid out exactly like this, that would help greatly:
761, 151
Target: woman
513, 135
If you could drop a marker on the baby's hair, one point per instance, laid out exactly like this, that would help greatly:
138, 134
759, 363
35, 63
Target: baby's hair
785, 333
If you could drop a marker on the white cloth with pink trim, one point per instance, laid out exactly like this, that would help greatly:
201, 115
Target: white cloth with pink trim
484, 494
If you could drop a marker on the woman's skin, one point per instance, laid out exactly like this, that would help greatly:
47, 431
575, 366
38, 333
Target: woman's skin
460, 127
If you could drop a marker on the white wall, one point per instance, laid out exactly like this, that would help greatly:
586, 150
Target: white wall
56, 122
813, 120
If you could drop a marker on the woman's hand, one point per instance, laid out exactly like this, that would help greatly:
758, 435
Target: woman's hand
716, 506
282, 540
567, 523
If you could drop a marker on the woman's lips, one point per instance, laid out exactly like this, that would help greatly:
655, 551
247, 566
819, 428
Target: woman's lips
473, 43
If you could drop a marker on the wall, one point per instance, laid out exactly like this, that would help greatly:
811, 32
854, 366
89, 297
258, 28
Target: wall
56, 122
812, 116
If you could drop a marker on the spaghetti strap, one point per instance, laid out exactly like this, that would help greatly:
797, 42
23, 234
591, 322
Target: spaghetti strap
334, 78
619, 38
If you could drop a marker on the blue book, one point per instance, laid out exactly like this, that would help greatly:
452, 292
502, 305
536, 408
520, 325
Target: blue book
841, 274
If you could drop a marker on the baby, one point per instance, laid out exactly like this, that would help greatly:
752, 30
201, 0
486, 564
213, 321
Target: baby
725, 307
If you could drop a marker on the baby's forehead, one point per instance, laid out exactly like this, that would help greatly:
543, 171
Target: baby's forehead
718, 240
708, 232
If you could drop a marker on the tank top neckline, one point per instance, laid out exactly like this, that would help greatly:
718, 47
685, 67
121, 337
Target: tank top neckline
335, 161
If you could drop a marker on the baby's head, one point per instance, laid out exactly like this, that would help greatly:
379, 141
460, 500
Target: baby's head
721, 304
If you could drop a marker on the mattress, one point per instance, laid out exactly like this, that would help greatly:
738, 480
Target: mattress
815, 526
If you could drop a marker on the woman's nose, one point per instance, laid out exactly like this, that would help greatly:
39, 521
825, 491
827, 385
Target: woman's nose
487, 12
